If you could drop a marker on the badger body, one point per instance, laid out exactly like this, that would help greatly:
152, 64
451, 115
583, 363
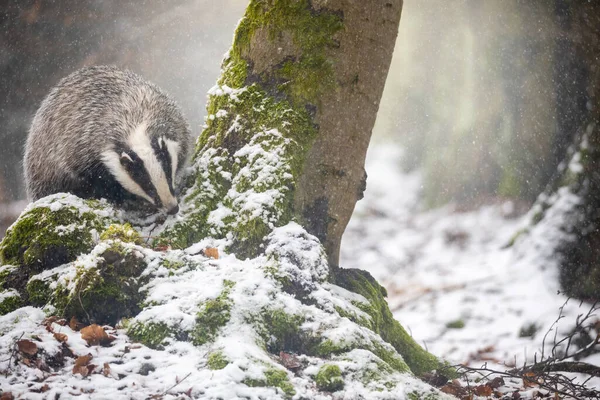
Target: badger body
106, 133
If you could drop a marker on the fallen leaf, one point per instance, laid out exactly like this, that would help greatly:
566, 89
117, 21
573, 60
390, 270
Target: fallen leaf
50, 320
211, 252
454, 389
27, 347
81, 365
496, 382
75, 324
290, 361
61, 337
162, 247
6, 396
95, 335
530, 379
483, 390
106, 369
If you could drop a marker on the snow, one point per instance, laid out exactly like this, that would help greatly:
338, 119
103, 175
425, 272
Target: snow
452, 281
442, 266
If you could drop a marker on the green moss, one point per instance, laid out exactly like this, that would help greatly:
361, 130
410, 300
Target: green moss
416, 395
172, 265
377, 374
10, 302
458, 324
327, 348
273, 378
5, 272
102, 293
123, 232
110, 291
279, 378
213, 315
308, 73
150, 334
418, 360
217, 360
281, 332
39, 292
390, 357
43, 238
329, 378
352, 316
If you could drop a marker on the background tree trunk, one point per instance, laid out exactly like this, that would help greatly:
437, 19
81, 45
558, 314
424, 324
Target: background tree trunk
571, 204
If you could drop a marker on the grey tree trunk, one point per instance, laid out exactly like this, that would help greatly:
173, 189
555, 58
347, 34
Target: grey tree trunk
328, 62
571, 205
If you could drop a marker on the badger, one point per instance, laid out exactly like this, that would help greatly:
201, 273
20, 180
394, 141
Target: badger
107, 133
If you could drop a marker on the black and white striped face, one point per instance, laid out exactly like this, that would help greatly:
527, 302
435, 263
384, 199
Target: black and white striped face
146, 166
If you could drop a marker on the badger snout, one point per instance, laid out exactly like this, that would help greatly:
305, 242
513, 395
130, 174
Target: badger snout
173, 210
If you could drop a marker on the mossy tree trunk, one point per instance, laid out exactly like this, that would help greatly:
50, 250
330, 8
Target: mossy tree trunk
571, 206
317, 68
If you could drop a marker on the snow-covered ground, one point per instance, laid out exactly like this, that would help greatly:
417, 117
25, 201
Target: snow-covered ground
451, 279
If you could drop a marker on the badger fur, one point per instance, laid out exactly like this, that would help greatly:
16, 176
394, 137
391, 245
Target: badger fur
107, 133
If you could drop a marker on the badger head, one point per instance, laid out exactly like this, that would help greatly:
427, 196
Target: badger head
146, 165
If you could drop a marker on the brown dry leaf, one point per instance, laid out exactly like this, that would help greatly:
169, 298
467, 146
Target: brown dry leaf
162, 247
75, 324
61, 337
81, 365
455, 389
496, 382
212, 252
290, 361
95, 335
50, 320
483, 390
27, 347
44, 388
106, 369
530, 379
6, 396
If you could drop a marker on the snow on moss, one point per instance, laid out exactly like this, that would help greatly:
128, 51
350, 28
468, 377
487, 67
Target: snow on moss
225, 323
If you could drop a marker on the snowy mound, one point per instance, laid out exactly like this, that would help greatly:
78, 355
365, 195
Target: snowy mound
197, 321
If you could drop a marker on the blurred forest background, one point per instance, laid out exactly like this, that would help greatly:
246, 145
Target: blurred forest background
484, 96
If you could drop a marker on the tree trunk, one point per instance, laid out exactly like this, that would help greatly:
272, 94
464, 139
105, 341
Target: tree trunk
571, 206
326, 62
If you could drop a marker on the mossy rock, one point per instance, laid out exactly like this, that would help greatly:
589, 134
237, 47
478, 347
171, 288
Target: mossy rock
101, 288
382, 321
329, 378
53, 231
274, 378
153, 335
50, 232
217, 360
213, 315
10, 300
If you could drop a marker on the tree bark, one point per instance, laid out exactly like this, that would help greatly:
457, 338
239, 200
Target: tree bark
321, 66
570, 206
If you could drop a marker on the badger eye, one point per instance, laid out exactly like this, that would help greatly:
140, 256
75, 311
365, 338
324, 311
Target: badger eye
126, 158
